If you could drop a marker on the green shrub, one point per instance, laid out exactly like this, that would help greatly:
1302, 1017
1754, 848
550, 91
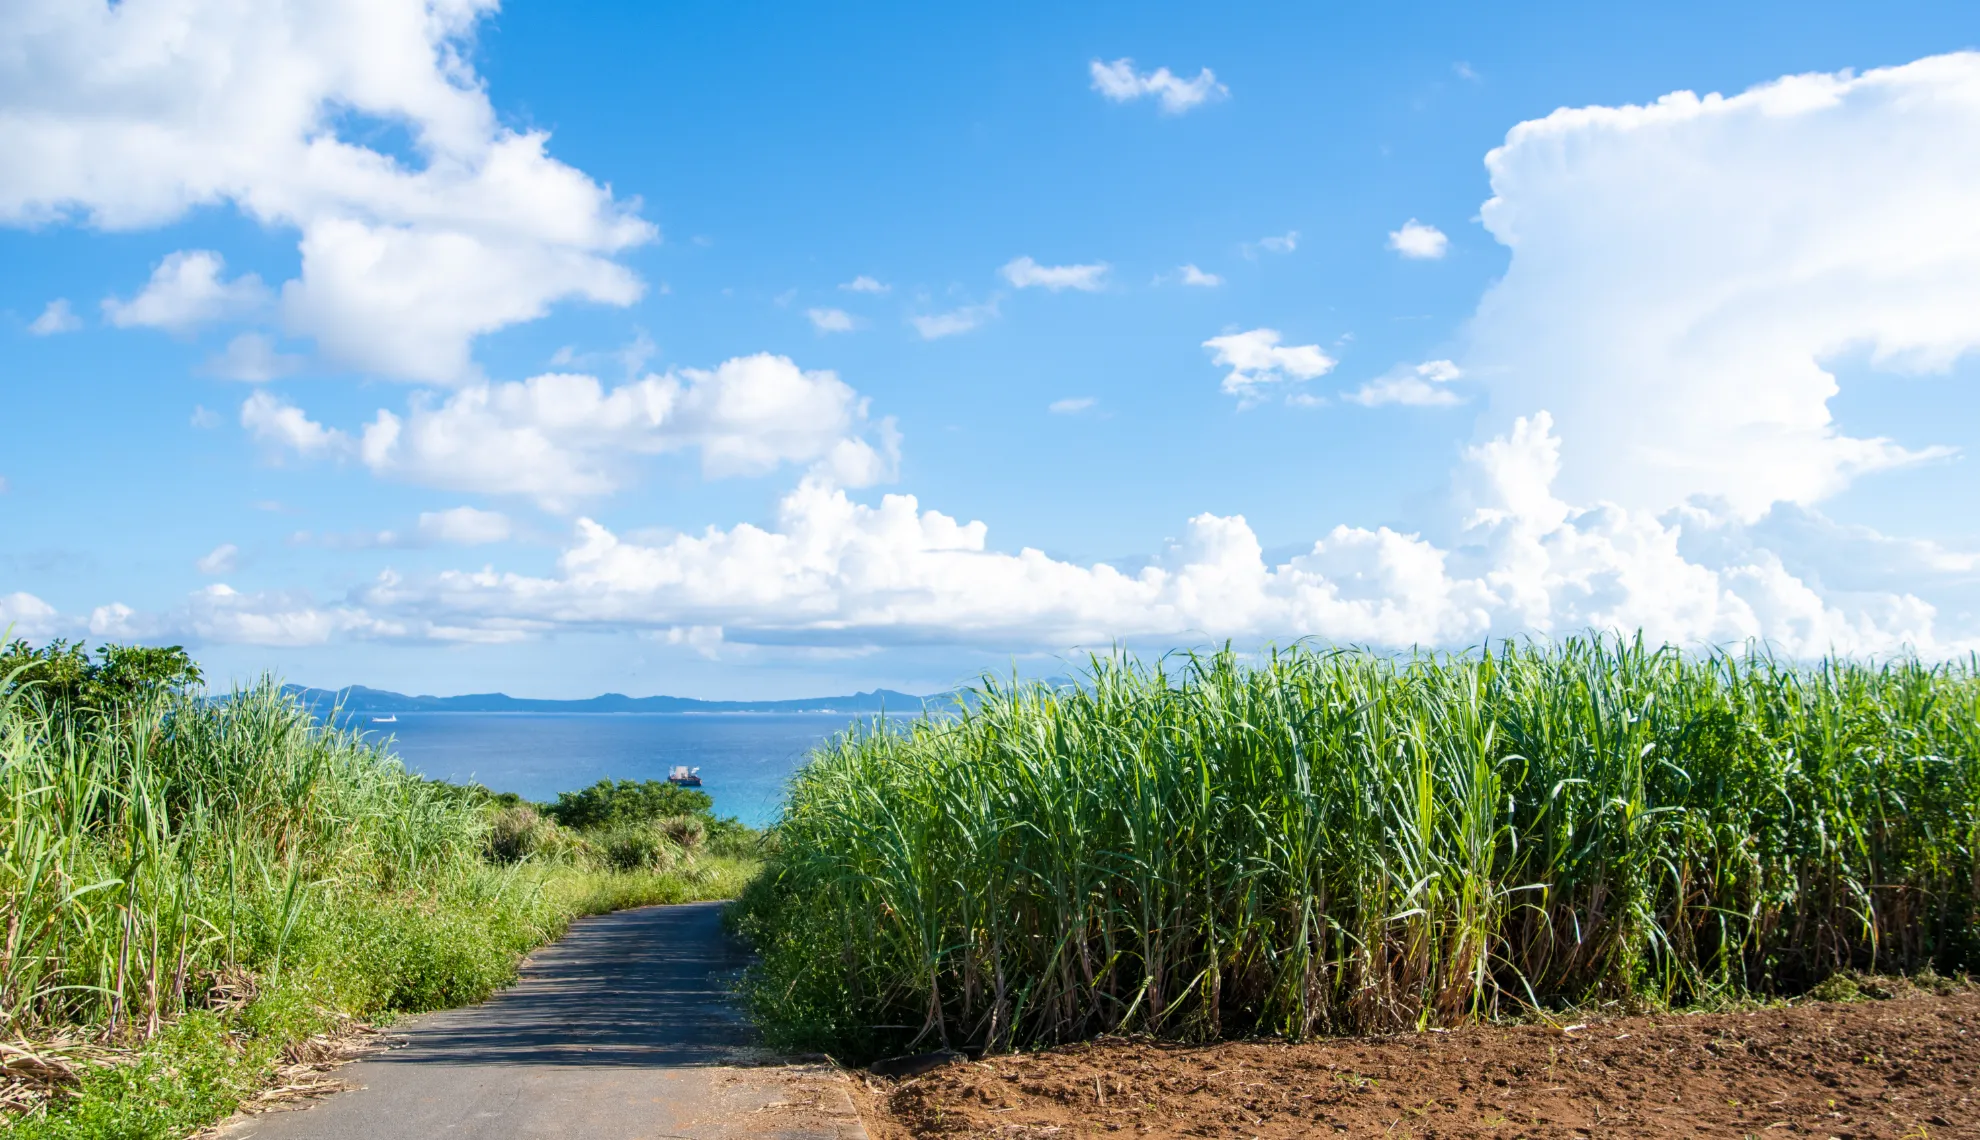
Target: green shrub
62, 676
622, 803
731, 838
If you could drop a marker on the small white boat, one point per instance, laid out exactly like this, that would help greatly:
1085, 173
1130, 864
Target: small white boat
385, 720
683, 776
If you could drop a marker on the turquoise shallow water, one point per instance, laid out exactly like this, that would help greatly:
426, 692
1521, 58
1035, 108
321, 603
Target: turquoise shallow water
745, 758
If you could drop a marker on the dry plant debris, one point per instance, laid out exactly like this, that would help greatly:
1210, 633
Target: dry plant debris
34, 1073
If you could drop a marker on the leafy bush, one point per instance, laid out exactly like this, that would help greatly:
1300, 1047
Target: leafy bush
62, 676
733, 839
614, 804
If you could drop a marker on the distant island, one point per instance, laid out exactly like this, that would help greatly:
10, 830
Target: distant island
361, 699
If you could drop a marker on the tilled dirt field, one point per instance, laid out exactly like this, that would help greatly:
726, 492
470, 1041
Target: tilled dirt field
1904, 1067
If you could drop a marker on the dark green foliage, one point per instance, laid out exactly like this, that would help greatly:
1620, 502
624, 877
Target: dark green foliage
731, 838
63, 675
1341, 841
624, 803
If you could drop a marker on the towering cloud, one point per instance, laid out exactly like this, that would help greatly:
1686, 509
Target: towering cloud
1684, 273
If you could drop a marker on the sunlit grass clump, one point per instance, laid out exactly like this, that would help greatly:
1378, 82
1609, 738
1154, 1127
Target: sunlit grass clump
1323, 842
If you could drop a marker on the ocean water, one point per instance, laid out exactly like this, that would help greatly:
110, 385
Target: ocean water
745, 758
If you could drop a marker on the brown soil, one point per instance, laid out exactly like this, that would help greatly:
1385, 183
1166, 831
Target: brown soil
1905, 1067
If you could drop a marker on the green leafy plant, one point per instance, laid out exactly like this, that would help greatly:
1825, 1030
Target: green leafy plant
621, 803
63, 676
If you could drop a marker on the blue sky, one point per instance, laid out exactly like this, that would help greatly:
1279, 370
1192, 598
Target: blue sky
729, 351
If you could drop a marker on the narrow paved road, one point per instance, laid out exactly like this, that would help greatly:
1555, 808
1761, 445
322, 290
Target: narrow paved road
622, 1030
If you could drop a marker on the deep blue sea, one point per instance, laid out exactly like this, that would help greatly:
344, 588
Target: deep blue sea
745, 758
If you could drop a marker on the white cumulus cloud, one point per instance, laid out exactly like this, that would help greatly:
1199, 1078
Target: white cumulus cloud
1024, 273
561, 437
833, 571
1191, 275
865, 284
186, 291
24, 615
1119, 82
1685, 272
128, 116
1256, 358
1419, 241
283, 427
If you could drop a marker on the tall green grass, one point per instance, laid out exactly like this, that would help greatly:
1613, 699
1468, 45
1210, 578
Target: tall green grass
222, 876
1342, 842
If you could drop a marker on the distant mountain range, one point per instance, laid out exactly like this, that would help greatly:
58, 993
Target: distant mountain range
360, 699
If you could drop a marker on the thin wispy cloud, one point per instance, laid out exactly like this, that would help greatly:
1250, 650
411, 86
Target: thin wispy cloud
1071, 405
251, 357
223, 559
631, 357
1192, 276
456, 526
464, 526
1425, 385
831, 320
935, 326
1119, 82
1277, 243
58, 317
1024, 273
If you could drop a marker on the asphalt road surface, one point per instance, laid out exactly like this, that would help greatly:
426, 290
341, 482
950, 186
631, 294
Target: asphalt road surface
623, 1030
